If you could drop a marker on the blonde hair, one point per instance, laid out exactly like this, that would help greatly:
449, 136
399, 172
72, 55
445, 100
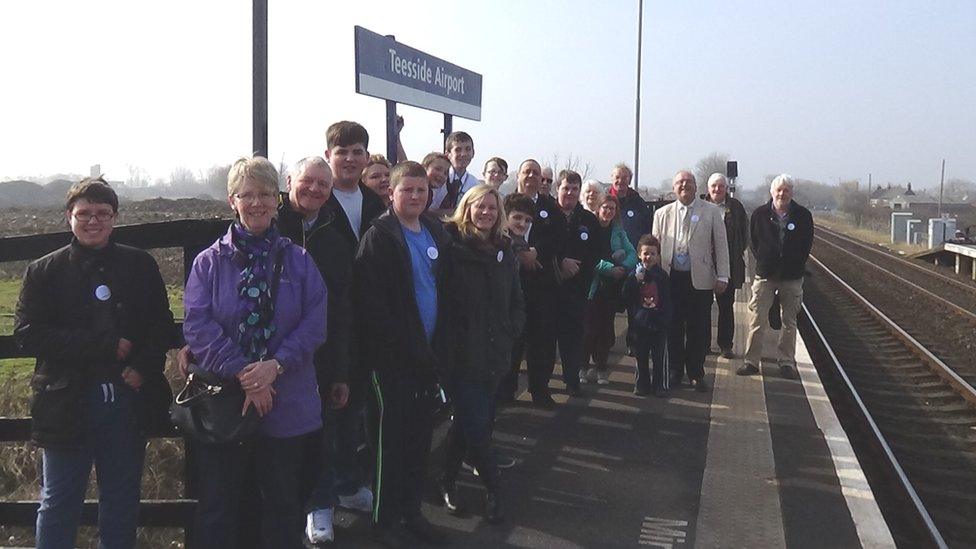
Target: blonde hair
258, 168
462, 214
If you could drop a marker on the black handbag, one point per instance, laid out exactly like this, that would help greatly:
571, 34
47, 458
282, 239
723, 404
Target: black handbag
208, 409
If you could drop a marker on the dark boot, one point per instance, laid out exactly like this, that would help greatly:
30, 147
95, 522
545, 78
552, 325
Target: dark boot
484, 460
453, 456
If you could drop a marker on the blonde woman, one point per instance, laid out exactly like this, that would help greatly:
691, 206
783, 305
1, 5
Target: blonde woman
487, 313
376, 176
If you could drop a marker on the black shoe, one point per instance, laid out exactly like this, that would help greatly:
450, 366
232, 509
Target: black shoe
787, 371
449, 498
747, 370
544, 401
640, 391
389, 536
700, 385
504, 461
493, 507
424, 531
727, 353
574, 391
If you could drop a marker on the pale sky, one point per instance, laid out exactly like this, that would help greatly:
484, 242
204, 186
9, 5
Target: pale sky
822, 90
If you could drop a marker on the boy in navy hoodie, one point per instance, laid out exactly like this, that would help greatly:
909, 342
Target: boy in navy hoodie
647, 294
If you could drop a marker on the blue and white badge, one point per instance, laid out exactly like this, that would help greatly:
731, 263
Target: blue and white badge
790, 226
500, 256
432, 252
103, 293
544, 214
694, 218
630, 213
584, 236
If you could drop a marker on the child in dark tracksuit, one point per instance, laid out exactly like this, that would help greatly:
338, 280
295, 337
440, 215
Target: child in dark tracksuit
647, 294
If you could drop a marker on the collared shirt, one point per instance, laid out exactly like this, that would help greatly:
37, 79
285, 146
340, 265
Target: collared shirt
467, 181
681, 260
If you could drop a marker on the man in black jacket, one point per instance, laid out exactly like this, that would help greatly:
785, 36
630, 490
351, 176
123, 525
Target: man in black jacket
635, 215
584, 243
781, 235
737, 233
96, 316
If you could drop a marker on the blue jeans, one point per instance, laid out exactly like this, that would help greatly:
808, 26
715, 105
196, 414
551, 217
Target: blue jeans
342, 472
113, 443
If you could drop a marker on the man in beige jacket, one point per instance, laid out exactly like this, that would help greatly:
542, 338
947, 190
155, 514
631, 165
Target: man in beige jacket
695, 253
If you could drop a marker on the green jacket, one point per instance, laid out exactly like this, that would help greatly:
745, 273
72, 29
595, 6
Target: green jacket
618, 241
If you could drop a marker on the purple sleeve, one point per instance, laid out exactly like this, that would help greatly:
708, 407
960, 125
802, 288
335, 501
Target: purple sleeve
213, 350
298, 348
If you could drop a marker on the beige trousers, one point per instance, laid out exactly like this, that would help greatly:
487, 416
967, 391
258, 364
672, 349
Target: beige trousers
790, 298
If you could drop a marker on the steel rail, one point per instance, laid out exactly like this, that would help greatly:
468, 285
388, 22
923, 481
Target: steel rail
906, 484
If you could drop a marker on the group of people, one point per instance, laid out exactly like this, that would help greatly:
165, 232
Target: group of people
359, 301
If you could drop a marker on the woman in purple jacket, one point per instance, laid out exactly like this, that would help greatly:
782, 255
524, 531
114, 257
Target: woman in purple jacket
238, 330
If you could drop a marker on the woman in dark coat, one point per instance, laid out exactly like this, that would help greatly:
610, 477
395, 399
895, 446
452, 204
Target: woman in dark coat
486, 313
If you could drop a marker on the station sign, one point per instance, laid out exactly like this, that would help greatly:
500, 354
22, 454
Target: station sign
390, 70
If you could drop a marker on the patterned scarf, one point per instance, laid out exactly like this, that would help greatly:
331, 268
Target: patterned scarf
256, 326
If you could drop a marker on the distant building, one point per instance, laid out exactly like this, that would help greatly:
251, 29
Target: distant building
899, 198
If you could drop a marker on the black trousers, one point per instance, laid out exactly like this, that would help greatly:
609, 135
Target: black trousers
650, 348
571, 312
403, 413
726, 319
689, 328
508, 388
540, 337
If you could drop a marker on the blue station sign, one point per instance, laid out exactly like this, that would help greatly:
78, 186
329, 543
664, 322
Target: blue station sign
390, 70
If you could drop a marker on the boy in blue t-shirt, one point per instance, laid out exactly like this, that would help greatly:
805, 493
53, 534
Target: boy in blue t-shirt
647, 294
396, 280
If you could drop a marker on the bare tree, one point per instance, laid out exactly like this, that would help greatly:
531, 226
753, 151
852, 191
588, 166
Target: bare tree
216, 180
853, 201
138, 177
571, 162
713, 163
961, 190
181, 177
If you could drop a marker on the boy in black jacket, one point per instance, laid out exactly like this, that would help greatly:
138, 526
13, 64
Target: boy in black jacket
647, 293
397, 278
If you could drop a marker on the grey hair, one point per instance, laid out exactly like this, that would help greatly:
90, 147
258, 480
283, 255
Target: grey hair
258, 168
782, 179
298, 167
715, 177
592, 183
624, 167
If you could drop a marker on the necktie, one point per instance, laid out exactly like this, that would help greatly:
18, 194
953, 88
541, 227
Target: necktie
453, 190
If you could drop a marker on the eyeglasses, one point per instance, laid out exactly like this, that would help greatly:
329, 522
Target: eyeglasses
249, 198
101, 217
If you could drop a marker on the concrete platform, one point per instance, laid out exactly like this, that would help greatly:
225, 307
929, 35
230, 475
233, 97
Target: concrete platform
757, 462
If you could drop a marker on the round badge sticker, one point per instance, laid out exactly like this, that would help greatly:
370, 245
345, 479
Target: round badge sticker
543, 214
432, 252
630, 213
791, 226
103, 293
694, 218
500, 256
584, 236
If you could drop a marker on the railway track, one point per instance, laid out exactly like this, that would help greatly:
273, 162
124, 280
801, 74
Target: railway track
919, 410
950, 292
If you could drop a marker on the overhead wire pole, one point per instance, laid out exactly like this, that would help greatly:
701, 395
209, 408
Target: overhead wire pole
640, 29
259, 77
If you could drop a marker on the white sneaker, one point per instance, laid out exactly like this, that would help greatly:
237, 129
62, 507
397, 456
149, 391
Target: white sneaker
318, 526
582, 378
592, 374
361, 501
603, 377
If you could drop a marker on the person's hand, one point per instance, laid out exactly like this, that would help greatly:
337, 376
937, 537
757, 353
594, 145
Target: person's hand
338, 395
258, 375
570, 267
529, 259
183, 359
720, 286
399, 123
618, 272
261, 399
124, 349
132, 378
639, 275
